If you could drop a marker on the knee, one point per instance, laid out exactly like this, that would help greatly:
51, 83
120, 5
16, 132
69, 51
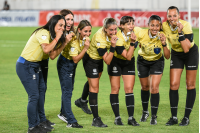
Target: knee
174, 86
190, 85
115, 89
145, 87
33, 98
129, 90
154, 89
94, 89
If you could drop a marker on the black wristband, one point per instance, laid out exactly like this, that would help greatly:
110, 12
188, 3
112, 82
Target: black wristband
180, 33
181, 38
164, 45
112, 49
132, 44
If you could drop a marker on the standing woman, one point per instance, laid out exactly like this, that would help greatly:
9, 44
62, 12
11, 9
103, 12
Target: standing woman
184, 52
104, 39
123, 64
69, 18
150, 65
44, 40
67, 64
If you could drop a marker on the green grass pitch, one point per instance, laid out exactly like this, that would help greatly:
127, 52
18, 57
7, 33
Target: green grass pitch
13, 97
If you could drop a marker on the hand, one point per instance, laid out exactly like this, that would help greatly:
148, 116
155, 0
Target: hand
133, 37
180, 27
68, 38
162, 38
58, 34
87, 44
113, 40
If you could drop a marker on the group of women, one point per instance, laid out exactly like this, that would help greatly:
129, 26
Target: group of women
116, 49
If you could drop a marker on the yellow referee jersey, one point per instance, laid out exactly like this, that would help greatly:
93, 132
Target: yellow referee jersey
99, 40
173, 36
33, 50
76, 47
67, 49
149, 45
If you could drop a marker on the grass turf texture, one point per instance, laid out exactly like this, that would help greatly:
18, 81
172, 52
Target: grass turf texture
14, 99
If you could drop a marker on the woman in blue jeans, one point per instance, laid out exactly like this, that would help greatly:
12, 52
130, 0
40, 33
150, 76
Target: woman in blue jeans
50, 40
66, 65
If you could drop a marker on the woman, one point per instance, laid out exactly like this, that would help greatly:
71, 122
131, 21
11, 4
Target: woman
66, 66
184, 52
44, 40
123, 64
69, 18
150, 65
105, 38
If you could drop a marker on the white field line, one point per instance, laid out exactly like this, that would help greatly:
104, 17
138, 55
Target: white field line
13, 43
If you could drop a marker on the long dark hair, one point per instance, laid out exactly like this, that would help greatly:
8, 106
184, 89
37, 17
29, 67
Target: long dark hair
64, 13
50, 26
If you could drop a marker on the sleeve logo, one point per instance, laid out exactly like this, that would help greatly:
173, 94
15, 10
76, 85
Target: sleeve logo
44, 37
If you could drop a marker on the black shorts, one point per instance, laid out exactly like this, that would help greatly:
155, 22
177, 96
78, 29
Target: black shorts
92, 67
190, 59
145, 68
120, 67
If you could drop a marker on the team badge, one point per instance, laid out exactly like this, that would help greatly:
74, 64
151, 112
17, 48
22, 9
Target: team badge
44, 37
72, 49
114, 68
94, 70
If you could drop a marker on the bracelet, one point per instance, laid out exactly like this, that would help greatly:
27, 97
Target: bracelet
56, 40
132, 44
181, 38
164, 45
112, 49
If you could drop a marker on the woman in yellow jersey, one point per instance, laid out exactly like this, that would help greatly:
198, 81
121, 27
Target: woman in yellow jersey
184, 52
66, 66
69, 18
105, 38
150, 65
44, 40
123, 64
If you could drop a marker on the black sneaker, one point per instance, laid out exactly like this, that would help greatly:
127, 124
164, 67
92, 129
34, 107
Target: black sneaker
133, 122
37, 129
46, 126
153, 120
118, 121
172, 121
83, 106
184, 122
50, 123
74, 125
98, 123
62, 117
144, 117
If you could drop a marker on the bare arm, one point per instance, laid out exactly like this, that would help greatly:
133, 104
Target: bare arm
165, 49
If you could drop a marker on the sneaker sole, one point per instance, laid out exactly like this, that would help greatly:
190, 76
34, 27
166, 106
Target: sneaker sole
98, 126
60, 117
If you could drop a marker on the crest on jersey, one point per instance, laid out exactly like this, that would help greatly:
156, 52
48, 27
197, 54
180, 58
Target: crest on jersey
72, 49
44, 37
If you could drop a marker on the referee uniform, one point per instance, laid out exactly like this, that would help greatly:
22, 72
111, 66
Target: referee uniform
179, 59
150, 61
28, 69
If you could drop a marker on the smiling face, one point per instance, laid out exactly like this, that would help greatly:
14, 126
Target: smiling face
128, 27
69, 21
154, 27
86, 31
173, 17
111, 30
60, 25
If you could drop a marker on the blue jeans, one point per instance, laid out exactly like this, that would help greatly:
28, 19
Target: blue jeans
33, 82
66, 72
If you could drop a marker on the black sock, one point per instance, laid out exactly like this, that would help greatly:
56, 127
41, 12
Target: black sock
93, 104
154, 103
130, 103
173, 97
85, 91
114, 101
191, 95
145, 99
